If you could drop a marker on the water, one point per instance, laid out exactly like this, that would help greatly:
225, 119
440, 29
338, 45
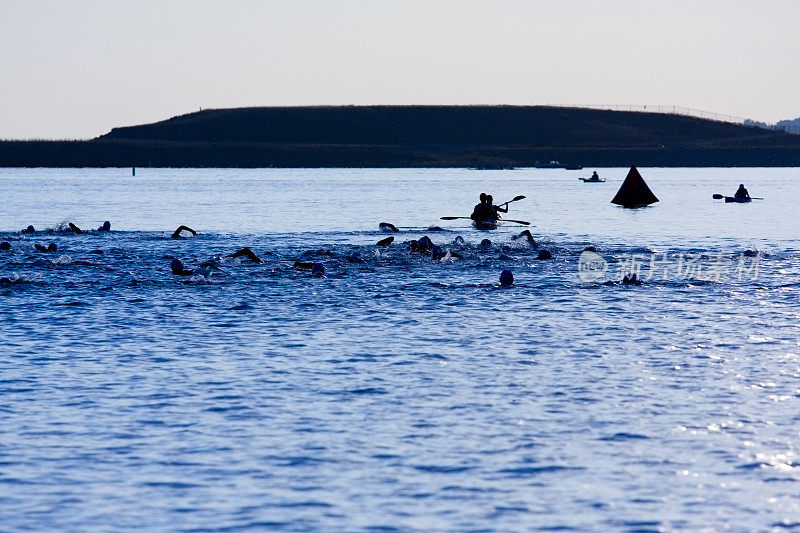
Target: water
397, 392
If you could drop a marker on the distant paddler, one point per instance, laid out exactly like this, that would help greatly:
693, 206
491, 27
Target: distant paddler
742, 194
593, 179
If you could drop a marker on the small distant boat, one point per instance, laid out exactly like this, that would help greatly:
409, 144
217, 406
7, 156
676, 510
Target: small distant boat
488, 224
557, 164
734, 200
592, 180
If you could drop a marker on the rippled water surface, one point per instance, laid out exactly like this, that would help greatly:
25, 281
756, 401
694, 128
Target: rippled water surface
397, 392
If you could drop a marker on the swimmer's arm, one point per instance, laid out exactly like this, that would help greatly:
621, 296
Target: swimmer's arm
177, 233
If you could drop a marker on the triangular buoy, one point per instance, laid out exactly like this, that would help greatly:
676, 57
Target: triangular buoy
634, 192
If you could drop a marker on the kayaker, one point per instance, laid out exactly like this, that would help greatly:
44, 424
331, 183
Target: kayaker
482, 211
495, 209
594, 177
741, 193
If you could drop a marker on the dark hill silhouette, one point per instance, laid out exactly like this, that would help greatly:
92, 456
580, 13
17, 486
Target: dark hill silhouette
391, 136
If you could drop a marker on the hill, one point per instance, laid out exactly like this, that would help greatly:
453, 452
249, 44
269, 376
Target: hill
416, 136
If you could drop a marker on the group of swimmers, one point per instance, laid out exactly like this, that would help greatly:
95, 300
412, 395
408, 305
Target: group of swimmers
423, 246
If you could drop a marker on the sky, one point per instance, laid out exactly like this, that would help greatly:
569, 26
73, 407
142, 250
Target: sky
77, 69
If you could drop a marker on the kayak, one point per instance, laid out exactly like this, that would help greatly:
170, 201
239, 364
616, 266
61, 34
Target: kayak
734, 200
590, 180
488, 224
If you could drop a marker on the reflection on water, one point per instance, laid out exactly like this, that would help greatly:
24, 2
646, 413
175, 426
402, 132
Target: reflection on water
396, 391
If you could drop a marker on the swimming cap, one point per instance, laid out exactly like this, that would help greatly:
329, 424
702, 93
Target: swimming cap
52, 247
486, 242
5, 245
318, 269
176, 266
506, 278
544, 254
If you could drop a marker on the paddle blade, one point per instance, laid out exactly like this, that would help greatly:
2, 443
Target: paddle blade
520, 197
717, 196
524, 223
451, 218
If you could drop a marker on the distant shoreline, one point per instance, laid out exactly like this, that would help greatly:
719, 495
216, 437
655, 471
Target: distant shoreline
416, 137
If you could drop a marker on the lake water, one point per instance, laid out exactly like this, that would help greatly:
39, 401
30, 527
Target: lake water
398, 392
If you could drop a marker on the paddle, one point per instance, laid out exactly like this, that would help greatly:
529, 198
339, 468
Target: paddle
721, 196
520, 197
524, 223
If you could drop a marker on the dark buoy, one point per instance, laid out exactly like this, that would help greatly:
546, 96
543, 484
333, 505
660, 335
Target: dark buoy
506, 278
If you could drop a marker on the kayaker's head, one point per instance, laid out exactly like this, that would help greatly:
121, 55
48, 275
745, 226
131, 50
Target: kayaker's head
506, 278
489, 199
483, 197
741, 185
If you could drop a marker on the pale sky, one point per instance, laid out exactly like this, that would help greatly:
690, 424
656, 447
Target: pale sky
76, 69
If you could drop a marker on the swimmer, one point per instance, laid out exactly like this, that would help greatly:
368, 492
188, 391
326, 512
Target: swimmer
528, 236
303, 265
105, 227
631, 279
459, 240
318, 270
385, 242
75, 229
486, 243
177, 233
5, 246
423, 245
506, 278
388, 228
29, 229
44, 249
248, 253
178, 269
544, 255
